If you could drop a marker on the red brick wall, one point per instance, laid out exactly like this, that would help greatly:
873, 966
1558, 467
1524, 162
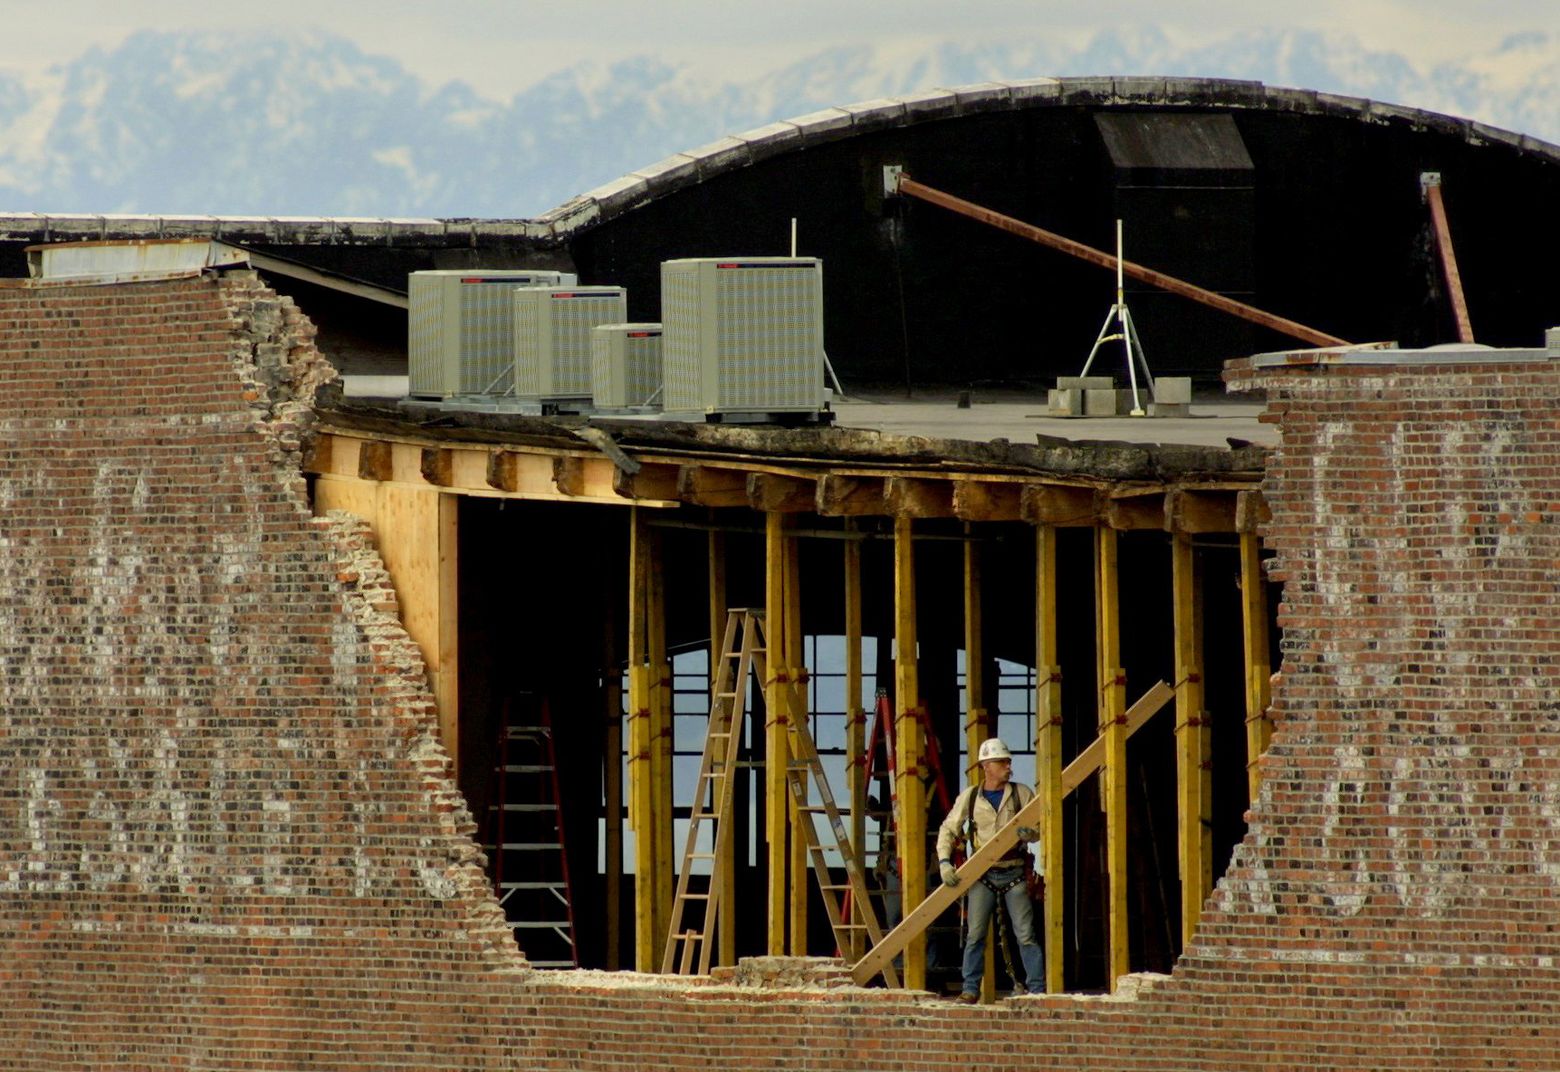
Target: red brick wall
227, 840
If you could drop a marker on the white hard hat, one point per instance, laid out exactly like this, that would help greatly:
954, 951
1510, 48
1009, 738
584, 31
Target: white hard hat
993, 748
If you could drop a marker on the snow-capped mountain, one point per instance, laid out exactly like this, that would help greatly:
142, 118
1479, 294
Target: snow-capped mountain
305, 124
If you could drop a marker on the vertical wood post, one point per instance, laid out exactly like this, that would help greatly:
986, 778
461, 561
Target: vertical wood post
659, 670
976, 728
640, 781
910, 748
612, 786
1191, 735
1254, 618
796, 713
726, 949
447, 678
776, 735
855, 720
1113, 728
1048, 750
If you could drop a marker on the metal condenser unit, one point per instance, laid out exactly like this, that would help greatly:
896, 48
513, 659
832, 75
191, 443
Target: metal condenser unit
552, 331
625, 365
460, 329
743, 335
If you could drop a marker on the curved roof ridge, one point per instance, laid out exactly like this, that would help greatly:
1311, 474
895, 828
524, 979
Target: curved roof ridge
736, 151
828, 124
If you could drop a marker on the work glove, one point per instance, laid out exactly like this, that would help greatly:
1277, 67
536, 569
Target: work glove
950, 874
1028, 833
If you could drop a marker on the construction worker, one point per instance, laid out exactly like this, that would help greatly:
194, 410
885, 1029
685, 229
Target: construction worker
978, 813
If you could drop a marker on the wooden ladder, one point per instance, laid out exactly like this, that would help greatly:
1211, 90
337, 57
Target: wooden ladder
741, 652
805, 766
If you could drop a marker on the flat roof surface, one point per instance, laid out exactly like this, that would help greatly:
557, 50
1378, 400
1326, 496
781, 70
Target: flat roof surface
1213, 420
1211, 423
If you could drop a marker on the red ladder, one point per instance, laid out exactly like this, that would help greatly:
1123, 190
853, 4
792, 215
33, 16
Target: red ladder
529, 855
880, 738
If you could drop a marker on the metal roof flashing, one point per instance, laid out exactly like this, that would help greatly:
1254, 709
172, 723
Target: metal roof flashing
1381, 355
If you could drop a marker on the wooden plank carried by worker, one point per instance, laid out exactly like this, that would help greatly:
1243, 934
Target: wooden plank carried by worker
916, 922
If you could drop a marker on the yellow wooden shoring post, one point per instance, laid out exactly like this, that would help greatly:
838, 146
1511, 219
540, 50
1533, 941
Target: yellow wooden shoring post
1258, 665
612, 787
1113, 708
1190, 730
796, 711
660, 690
975, 728
447, 680
717, 579
1204, 762
910, 749
1048, 750
726, 950
976, 724
776, 735
855, 720
640, 781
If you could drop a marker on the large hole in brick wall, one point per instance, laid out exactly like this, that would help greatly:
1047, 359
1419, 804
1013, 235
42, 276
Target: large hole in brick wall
543, 598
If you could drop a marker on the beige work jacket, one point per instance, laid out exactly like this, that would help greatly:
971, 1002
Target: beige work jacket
988, 820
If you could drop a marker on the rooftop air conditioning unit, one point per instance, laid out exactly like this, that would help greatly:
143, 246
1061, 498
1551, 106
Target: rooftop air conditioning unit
460, 329
625, 365
552, 332
743, 334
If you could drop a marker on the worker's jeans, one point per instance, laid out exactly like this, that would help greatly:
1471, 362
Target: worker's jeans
1020, 910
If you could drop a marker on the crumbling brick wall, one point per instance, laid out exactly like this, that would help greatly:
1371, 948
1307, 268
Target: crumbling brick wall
227, 837
227, 834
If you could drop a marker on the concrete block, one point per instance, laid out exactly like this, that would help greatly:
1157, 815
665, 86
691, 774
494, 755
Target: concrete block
1085, 383
1124, 400
1173, 389
1064, 402
1104, 402
1169, 409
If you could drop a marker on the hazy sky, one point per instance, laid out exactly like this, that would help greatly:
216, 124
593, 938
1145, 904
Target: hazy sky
500, 46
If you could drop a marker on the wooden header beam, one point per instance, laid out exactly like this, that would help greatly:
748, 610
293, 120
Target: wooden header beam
909, 497
1191, 512
484, 470
846, 496
985, 500
1061, 505
703, 485
506, 471
772, 494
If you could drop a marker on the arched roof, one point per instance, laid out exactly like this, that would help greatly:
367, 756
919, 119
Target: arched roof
832, 124
737, 151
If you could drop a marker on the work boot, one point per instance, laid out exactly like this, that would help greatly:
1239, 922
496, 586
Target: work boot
967, 998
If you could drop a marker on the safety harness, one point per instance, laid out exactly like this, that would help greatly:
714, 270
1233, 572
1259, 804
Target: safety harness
1001, 928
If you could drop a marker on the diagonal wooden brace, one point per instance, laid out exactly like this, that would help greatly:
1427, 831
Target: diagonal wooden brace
1088, 761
